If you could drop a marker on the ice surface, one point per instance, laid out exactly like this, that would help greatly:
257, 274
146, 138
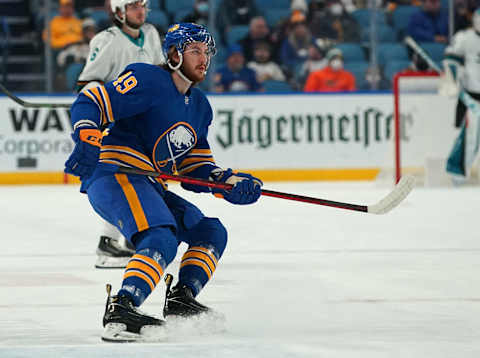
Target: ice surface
296, 280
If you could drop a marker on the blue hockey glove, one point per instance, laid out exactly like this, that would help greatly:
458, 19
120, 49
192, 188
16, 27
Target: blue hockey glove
84, 158
246, 188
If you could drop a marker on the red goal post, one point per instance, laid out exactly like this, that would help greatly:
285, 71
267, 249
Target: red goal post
423, 124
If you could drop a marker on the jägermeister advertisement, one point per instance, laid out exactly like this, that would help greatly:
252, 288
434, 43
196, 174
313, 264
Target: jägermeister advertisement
304, 131
326, 131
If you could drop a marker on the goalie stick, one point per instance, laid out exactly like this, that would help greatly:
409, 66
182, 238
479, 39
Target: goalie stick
462, 155
464, 96
27, 104
395, 197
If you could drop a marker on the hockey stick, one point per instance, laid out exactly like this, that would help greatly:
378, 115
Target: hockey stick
26, 104
464, 96
400, 192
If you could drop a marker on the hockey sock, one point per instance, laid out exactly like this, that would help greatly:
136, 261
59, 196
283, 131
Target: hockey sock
156, 248
197, 267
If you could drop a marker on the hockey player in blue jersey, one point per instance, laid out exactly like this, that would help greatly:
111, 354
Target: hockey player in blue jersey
155, 120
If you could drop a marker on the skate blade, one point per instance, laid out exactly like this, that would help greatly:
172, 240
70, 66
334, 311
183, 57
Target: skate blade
117, 333
108, 262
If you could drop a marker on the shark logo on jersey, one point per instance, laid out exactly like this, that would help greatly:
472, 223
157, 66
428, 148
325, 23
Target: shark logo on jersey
176, 142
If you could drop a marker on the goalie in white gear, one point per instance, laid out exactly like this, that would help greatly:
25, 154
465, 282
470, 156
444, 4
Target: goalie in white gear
462, 65
130, 40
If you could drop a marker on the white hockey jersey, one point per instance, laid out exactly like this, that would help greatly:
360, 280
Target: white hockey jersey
465, 45
112, 50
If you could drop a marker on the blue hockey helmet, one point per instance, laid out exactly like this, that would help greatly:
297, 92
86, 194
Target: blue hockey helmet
181, 34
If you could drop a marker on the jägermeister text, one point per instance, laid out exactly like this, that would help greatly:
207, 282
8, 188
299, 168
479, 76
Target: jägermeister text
365, 127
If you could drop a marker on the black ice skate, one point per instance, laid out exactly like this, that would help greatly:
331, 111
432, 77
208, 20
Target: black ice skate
179, 301
111, 254
123, 322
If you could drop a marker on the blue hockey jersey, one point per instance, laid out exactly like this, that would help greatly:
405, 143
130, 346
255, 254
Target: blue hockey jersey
149, 124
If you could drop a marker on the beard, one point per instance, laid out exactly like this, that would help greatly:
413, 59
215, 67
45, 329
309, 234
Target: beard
133, 25
193, 74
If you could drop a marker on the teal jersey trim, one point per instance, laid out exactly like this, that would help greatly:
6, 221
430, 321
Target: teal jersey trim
456, 58
139, 41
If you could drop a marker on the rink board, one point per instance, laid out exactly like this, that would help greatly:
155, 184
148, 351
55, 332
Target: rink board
278, 137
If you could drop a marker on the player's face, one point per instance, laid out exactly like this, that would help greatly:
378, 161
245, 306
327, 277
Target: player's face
196, 59
135, 14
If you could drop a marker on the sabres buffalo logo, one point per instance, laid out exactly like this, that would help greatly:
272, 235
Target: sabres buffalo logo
173, 144
181, 137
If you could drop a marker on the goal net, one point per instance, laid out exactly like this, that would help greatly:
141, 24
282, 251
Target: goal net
423, 129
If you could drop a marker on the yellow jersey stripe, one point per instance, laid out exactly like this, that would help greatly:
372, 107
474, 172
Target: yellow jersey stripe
94, 100
195, 160
97, 95
127, 150
108, 104
133, 202
127, 159
193, 167
201, 151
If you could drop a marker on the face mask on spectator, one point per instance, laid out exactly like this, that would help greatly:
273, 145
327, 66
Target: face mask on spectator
336, 64
336, 9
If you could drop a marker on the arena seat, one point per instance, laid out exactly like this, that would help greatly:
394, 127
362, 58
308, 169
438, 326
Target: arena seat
362, 16
391, 52
236, 33
392, 67
172, 6
274, 16
71, 73
351, 51
273, 86
434, 49
158, 18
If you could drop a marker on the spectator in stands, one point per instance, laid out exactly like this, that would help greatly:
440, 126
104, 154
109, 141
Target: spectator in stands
328, 19
78, 52
391, 5
258, 31
262, 64
316, 60
463, 14
199, 15
349, 5
294, 50
430, 23
74, 53
235, 12
235, 76
300, 5
332, 78
65, 28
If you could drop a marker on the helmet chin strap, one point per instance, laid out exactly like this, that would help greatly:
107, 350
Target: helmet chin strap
177, 69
